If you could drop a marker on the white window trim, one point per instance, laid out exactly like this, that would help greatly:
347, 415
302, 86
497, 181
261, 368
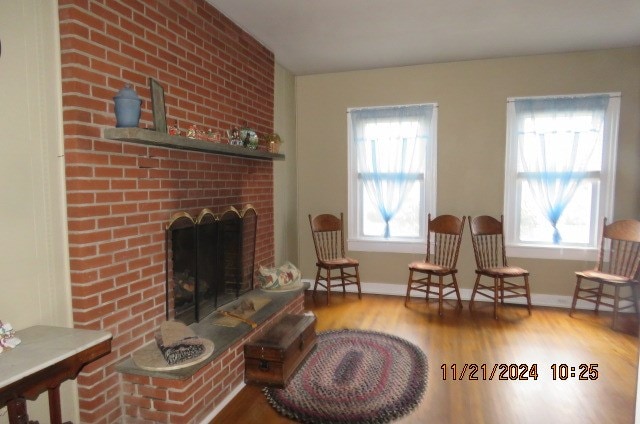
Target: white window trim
369, 244
521, 250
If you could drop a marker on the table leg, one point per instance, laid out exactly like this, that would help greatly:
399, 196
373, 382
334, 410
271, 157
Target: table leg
55, 413
17, 409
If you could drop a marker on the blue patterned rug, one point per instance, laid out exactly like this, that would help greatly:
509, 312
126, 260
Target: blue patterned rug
355, 377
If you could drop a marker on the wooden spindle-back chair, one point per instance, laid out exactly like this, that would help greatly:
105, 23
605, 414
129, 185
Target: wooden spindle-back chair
328, 238
618, 266
444, 234
487, 236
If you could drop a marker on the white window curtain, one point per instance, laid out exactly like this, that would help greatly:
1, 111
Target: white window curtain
559, 143
391, 151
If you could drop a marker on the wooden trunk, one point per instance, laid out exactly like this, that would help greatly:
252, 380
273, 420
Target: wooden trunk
273, 358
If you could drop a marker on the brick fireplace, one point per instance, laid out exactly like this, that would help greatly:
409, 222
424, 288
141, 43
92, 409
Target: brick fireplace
121, 195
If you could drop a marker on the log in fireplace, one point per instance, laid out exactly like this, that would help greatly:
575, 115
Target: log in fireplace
209, 261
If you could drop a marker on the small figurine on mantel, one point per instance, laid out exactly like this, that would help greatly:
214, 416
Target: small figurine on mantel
192, 132
173, 129
249, 137
213, 136
201, 135
234, 137
8, 336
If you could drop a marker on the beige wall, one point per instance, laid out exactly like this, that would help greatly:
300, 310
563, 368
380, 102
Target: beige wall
35, 285
284, 172
33, 254
471, 142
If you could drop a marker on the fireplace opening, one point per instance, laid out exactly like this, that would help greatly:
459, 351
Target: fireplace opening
209, 261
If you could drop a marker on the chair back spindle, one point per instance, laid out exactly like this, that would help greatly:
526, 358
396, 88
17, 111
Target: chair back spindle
488, 242
446, 231
327, 236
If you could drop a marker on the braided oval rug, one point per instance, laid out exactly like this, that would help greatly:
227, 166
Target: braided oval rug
354, 376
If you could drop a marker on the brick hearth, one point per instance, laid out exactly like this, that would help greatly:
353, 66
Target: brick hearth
188, 395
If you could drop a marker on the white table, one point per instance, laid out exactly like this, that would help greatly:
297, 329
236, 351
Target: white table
46, 358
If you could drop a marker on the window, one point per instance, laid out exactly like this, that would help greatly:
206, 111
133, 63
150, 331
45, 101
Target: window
392, 177
559, 174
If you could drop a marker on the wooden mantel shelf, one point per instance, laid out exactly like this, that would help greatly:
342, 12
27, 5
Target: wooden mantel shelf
155, 138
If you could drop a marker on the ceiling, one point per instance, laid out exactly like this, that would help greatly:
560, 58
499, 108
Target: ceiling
320, 36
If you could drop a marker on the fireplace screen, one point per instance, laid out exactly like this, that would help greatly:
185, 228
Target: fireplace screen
209, 261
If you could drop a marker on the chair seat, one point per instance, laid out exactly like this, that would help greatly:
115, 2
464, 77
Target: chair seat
604, 277
504, 271
337, 262
427, 266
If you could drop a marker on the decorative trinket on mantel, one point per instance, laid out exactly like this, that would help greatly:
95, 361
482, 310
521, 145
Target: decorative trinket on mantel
273, 141
127, 107
201, 135
249, 138
192, 132
173, 129
7, 336
213, 136
234, 137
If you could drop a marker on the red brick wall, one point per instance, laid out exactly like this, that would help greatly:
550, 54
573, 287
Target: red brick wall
120, 196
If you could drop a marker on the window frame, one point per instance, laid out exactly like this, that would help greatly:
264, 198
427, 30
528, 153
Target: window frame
356, 241
604, 188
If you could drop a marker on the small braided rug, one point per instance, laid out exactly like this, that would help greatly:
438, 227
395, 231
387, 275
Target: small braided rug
354, 376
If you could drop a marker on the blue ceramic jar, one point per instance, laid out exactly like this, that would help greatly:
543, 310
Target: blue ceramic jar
127, 106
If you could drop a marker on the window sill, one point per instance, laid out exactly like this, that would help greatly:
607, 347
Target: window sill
548, 252
387, 246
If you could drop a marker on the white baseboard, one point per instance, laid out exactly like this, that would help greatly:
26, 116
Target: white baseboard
550, 300
221, 405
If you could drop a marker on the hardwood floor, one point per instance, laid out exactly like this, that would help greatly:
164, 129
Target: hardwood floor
549, 337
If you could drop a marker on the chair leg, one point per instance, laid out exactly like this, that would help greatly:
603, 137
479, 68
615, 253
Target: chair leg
495, 298
315, 286
440, 294
455, 286
473, 293
528, 293
358, 282
406, 298
575, 296
600, 288
344, 283
616, 301
328, 284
